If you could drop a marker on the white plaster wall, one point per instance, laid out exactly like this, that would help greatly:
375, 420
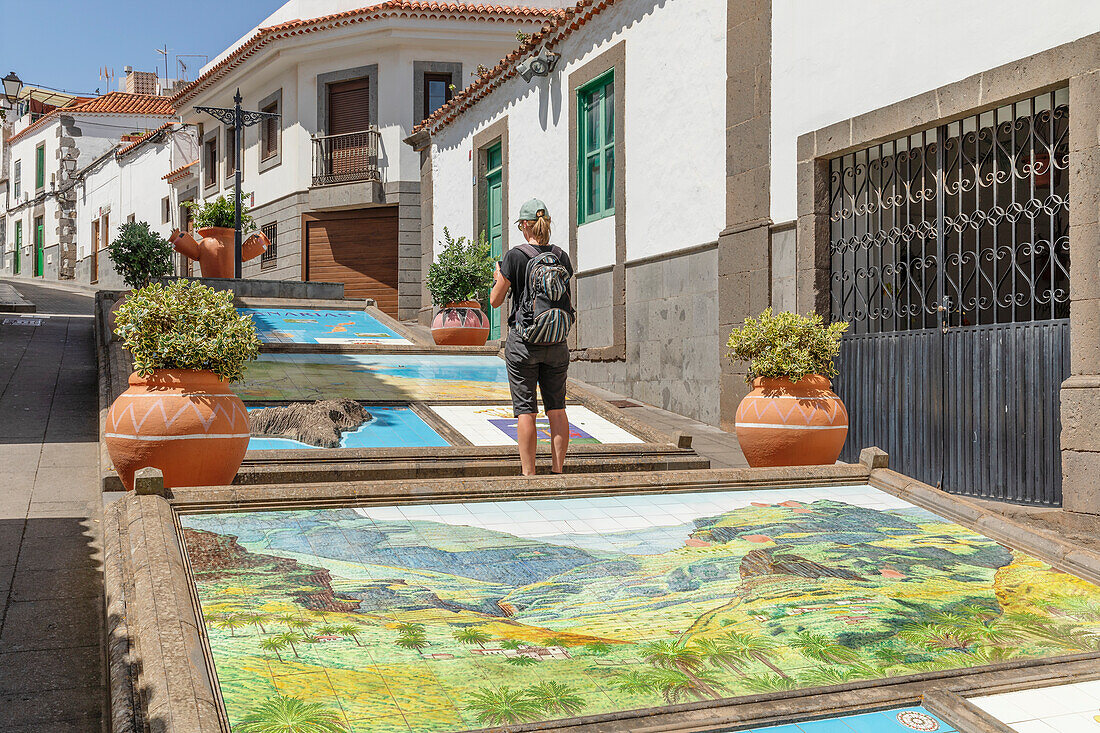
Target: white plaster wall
99, 192
141, 190
674, 134
834, 59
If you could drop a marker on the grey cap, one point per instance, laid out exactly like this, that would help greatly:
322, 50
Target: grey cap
530, 210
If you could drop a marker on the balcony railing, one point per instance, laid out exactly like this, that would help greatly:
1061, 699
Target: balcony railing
346, 158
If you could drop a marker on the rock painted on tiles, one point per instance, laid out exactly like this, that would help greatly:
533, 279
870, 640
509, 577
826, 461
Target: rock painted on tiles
185, 422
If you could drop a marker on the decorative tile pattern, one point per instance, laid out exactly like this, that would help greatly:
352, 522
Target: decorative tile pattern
293, 326
389, 427
374, 377
495, 425
901, 720
466, 615
1073, 708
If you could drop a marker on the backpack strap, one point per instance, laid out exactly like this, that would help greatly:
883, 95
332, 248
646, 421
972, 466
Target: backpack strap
530, 250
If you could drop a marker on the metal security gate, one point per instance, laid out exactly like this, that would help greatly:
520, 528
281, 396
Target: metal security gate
950, 258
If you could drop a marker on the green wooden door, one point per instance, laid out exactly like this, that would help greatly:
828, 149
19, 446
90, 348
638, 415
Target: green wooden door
494, 187
18, 246
39, 247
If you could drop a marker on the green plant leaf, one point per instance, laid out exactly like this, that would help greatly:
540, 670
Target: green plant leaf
787, 345
463, 270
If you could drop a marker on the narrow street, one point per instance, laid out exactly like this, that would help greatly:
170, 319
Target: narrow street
51, 655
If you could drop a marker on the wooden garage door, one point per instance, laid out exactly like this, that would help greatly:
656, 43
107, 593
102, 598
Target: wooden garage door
357, 248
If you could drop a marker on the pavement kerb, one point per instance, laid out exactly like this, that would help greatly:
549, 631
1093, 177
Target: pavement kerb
960, 713
1047, 546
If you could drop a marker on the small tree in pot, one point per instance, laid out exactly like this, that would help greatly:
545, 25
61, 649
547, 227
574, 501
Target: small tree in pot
214, 222
179, 414
140, 254
462, 271
791, 417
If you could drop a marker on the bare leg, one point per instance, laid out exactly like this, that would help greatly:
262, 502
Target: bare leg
559, 437
525, 436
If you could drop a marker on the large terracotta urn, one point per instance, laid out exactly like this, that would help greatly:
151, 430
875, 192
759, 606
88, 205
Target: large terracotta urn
460, 324
214, 249
785, 423
186, 422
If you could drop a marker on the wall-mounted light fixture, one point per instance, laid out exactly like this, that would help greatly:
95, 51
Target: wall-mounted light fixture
539, 64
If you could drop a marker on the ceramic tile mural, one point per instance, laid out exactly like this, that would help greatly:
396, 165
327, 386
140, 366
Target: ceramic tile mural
456, 616
294, 326
377, 377
901, 720
1072, 708
389, 427
495, 425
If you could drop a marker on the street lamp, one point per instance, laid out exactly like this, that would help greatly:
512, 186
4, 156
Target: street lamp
69, 163
239, 119
12, 86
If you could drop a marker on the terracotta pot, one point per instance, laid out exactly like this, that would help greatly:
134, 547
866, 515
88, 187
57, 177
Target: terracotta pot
460, 324
186, 422
214, 249
785, 423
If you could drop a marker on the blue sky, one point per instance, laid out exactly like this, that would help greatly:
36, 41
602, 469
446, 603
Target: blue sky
63, 43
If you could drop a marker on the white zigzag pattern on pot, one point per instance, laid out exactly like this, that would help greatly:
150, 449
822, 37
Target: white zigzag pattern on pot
750, 408
117, 418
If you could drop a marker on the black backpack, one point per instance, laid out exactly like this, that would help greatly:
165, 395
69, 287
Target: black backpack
546, 309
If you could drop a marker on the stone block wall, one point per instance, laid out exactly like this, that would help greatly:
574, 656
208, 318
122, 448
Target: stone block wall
287, 211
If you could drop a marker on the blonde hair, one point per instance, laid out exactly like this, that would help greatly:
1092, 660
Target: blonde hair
540, 227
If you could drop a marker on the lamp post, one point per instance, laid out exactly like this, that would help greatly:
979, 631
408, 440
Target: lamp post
240, 119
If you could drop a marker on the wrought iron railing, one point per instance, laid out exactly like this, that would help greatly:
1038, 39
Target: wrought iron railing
346, 158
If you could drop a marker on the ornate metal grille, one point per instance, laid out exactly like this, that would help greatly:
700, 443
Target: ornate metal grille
965, 224
271, 255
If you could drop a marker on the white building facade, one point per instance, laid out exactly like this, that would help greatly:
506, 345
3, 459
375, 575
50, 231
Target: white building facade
331, 182
628, 157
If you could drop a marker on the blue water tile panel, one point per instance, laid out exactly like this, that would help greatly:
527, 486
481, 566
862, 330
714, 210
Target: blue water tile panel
389, 427
299, 326
900, 720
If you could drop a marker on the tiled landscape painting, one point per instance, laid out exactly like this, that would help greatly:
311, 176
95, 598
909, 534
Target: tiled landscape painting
295, 326
457, 616
389, 427
495, 425
380, 377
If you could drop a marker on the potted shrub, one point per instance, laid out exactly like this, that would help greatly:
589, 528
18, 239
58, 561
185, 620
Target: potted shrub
791, 417
462, 270
140, 254
188, 343
214, 223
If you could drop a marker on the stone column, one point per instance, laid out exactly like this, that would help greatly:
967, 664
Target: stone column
1080, 394
744, 266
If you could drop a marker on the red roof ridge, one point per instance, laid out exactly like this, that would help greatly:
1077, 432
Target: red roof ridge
143, 105
550, 36
144, 138
177, 171
389, 8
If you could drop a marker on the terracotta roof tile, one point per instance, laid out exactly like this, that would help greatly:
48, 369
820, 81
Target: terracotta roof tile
144, 138
118, 103
389, 9
550, 36
178, 173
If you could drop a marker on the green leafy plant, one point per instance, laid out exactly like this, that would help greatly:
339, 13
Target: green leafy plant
462, 271
140, 254
186, 325
786, 345
219, 213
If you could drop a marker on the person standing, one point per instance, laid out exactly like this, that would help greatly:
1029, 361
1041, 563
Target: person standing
537, 274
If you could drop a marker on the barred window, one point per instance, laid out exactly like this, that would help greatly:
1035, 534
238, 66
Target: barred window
271, 231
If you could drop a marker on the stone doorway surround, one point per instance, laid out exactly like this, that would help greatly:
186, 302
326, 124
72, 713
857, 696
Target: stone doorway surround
1076, 64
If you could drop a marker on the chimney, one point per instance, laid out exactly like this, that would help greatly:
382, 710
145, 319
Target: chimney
140, 82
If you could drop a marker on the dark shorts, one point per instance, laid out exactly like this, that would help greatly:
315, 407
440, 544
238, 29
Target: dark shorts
529, 366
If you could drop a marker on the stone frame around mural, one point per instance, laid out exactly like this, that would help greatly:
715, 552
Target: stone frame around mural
1076, 64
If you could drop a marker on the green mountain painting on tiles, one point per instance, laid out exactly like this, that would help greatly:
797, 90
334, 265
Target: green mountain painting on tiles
366, 622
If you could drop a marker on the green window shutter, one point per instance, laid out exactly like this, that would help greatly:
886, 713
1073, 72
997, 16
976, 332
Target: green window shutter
596, 148
40, 167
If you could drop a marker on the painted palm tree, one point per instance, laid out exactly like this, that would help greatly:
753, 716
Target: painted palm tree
671, 654
824, 676
718, 654
302, 625
636, 682
471, 635
936, 636
232, 622
888, 656
822, 649
352, 631
274, 644
511, 644
675, 684
290, 638
290, 715
750, 646
597, 648
286, 619
327, 630
413, 641
990, 629
556, 698
502, 706
406, 628
258, 620
521, 661
1052, 632
768, 683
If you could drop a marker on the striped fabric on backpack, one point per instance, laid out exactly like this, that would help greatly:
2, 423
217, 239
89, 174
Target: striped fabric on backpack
546, 304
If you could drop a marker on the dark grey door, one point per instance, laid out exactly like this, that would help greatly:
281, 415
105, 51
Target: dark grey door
950, 258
